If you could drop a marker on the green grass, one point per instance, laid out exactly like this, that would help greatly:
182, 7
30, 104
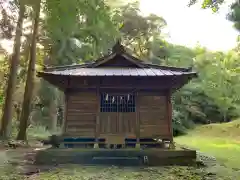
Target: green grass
219, 140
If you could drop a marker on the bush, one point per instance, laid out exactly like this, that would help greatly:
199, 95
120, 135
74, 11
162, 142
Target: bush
178, 127
38, 132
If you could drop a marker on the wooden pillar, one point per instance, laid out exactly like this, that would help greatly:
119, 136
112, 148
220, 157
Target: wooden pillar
64, 129
169, 114
97, 130
137, 106
66, 97
65, 112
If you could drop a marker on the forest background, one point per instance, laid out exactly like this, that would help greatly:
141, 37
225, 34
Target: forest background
60, 32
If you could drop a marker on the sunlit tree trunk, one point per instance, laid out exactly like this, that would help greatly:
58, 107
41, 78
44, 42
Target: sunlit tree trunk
26, 106
6, 122
225, 116
53, 115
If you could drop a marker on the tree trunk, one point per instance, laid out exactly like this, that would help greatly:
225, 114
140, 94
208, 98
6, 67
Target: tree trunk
224, 116
26, 106
53, 115
12, 78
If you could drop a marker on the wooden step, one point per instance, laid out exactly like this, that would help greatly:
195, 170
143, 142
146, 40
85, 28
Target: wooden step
115, 158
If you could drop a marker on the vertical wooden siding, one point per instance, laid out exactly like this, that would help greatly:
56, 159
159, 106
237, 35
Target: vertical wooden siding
152, 113
118, 123
153, 116
81, 114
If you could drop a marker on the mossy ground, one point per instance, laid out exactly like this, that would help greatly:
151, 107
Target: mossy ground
219, 140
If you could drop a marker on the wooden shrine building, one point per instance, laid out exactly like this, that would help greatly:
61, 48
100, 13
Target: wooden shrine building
118, 97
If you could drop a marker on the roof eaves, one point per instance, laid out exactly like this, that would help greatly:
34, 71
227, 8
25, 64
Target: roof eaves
169, 67
65, 67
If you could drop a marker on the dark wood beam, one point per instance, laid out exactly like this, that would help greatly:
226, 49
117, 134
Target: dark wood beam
169, 113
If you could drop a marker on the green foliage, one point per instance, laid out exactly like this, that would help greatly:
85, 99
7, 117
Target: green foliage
160, 51
178, 127
213, 96
234, 15
3, 76
213, 4
138, 32
38, 132
219, 80
86, 22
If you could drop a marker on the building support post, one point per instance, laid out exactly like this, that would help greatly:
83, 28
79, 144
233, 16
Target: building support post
169, 115
137, 121
65, 112
97, 130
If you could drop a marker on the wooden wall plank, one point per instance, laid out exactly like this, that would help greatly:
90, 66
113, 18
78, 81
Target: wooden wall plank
153, 116
81, 116
117, 123
154, 131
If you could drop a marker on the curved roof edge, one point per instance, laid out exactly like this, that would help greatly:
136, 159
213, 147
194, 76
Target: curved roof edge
118, 50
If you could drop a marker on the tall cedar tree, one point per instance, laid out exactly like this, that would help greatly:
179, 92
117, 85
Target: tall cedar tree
12, 79
26, 106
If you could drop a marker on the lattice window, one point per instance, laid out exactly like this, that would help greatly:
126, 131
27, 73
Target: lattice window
117, 103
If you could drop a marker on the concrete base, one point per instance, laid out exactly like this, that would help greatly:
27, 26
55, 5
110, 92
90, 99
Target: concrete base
126, 157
